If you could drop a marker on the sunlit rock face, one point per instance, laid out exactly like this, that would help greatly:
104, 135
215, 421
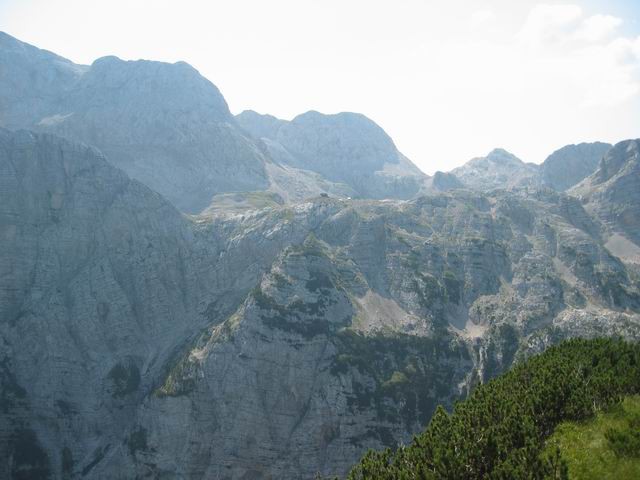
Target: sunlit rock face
169, 127
164, 124
345, 148
613, 191
499, 169
322, 300
563, 169
276, 340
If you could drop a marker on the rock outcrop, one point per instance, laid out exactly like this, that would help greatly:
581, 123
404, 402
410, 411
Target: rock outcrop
345, 148
612, 192
499, 169
170, 128
164, 124
569, 165
276, 340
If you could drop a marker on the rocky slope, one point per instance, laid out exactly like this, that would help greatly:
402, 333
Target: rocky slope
563, 169
499, 169
346, 148
164, 124
613, 194
569, 165
169, 127
269, 340
31, 81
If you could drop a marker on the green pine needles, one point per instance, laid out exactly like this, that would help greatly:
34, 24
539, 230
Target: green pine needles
500, 431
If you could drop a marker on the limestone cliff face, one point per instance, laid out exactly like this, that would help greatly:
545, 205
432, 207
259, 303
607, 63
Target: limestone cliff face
31, 81
499, 169
170, 128
345, 148
563, 169
613, 191
269, 342
569, 165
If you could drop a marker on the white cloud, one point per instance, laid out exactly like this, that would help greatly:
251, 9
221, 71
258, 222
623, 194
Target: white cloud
585, 54
549, 24
482, 17
597, 28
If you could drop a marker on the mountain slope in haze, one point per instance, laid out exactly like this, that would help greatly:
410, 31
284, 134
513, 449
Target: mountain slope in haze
164, 124
563, 169
31, 81
169, 127
499, 169
275, 343
346, 148
569, 165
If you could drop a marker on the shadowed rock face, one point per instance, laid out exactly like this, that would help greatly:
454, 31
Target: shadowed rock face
273, 342
569, 165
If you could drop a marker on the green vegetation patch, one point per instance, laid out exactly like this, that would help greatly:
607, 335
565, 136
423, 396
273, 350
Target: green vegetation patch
125, 378
501, 430
399, 375
604, 447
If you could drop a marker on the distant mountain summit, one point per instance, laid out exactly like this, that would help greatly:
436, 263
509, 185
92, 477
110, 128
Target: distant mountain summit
284, 329
32, 81
346, 148
499, 169
169, 127
612, 192
164, 124
568, 165
563, 169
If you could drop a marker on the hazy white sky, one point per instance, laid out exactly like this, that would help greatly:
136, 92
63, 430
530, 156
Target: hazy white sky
448, 80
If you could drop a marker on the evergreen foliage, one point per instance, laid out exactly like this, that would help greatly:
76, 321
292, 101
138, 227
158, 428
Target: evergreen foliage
500, 431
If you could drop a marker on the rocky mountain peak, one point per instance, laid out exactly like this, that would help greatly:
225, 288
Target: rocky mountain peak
502, 156
498, 169
31, 81
259, 125
623, 158
570, 164
152, 86
613, 194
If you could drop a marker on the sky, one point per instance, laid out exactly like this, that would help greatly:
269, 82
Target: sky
447, 80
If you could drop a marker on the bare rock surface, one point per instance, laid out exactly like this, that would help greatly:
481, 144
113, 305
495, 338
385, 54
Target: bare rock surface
275, 341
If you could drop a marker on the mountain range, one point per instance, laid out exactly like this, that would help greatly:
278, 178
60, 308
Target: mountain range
185, 293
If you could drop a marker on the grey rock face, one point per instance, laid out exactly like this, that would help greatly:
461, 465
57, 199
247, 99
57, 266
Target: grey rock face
164, 124
346, 148
613, 191
31, 81
260, 338
260, 126
167, 126
442, 182
563, 169
499, 169
569, 165
273, 342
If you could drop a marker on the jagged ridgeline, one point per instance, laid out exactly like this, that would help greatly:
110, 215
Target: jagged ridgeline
185, 293
501, 430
